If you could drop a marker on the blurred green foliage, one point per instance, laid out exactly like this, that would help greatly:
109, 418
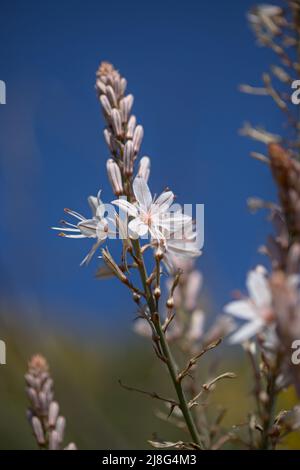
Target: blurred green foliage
100, 413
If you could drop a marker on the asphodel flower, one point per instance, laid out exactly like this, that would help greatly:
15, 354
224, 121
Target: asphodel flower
151, 215
256, 310
96, 227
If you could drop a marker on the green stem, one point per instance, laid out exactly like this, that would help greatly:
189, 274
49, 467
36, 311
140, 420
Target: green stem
269, 410
170, 362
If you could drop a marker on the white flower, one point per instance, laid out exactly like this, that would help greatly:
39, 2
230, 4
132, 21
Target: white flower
97, 227
183, 241
256, 310
181, 246
149, 214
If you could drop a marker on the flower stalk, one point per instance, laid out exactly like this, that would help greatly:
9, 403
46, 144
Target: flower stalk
167, 354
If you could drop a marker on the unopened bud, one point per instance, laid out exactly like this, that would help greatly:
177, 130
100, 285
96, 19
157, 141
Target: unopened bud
114, 176
170, 302
128, 158
111, 96
53, 440
125, 107
71, 446
131, 127
116, 122
53, 413
136, 297
105, 105
137, 138
144, 168
159, 253
60, 427
263, 396
38, 430
157, 292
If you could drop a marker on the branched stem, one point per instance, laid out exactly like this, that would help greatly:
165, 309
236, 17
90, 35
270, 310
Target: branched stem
170, 362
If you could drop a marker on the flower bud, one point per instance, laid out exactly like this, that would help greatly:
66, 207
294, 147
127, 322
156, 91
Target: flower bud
159, 253
105, 105
114, 176
125, 107
60, 428
116, 122
111, 96
157, 292
38, 430
131, 127
170, 302
53, 413
128, 158
53, 440
144, 168
137, 138
136, 297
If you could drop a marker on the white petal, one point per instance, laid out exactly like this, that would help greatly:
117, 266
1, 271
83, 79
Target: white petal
88, 228
91, 253
138, 227
183, 248
93, 203
156, 233
142, 193
164, 201
258, 288
173, 222
241, 309
102, 230
126, 206
246, 332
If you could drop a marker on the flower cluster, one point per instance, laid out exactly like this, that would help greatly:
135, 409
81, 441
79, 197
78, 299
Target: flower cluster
43, 414
271, 311
170, 231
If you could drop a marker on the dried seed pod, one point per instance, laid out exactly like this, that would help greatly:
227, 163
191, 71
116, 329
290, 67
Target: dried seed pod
123, 85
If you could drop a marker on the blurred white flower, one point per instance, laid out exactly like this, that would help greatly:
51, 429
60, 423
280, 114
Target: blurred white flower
97, 227
256, 309
196, 327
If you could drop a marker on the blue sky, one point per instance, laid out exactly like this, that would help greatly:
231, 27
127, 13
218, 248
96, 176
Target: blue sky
183, 62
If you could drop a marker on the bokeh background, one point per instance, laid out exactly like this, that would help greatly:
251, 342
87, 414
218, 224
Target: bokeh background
184, 61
